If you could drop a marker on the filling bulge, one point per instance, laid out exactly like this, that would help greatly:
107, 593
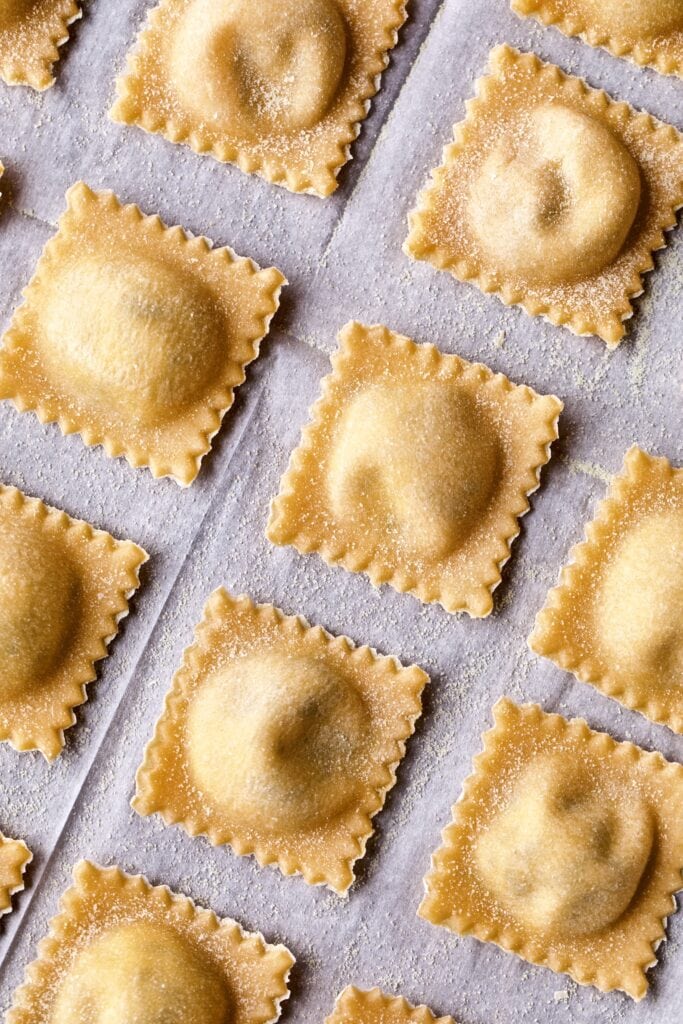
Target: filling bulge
640, 608
556, 204
274, 67
566, 856
276, 742
141, 973
144, 334
38, 602
418, 462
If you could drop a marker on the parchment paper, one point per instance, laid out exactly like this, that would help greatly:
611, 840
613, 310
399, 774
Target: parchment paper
343, 258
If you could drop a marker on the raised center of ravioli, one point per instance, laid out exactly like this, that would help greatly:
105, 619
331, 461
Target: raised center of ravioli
137, 333
259, 67
640, 607
555, 203
644, 18
565, 857
38, 596
277, 741
415, 462
141, 973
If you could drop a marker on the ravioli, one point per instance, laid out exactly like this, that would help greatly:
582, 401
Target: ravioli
616, 617
648, 33
30, 33
355, 1006
279, 740
64, 587
552, 196
565, 848
415, 469
124, 952
560, 208
280, 89
135, 335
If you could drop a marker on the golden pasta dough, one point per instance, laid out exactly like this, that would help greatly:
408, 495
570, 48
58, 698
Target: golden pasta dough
415, 469
616, 617
280, 740
565, 848
552, 196
126, 952
278, 88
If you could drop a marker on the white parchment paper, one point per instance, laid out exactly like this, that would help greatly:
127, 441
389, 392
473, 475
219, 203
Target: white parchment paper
343, 258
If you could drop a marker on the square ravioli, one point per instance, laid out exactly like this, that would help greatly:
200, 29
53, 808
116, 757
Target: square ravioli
135, 335
415, 469
355, 1006
616, 617
279, 740
565, 848
15, 857
122, 950
64, 587
30, 33
278, 88
552, 195
648, 33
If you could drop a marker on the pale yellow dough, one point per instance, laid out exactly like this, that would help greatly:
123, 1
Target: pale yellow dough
269, 68
557, 207
356, 1006
136, 335
585, 882
552, 196
124, 952
647, 31
274, 718
15, 857
616, 618
30, 33
280, 740
279, 88
64, 587
141, 973
565, 847
385, 464
415, 469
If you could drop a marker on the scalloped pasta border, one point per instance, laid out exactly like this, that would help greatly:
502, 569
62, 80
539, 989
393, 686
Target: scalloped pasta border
479, 601
642, 52
16, 882
183, 467
434, 910
37, 73
323, 181
419, 245
28, 1005
548, 639
150, 795
351, 1002
132, 556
